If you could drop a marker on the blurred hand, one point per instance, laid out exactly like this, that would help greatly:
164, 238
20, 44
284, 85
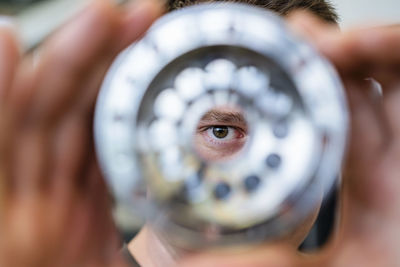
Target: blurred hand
54, 207
369, 232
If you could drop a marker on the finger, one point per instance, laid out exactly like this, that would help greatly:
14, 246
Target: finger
10, 132
370, 134
392, 111
9, 58
66, 149
80, 244
95, 241
76, 241
72, 151
73, 144
31, 157
370, 139
104, 232
9, 55
371, 48
136, 20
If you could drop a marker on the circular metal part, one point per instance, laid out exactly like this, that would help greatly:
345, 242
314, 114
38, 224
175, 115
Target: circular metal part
232, 64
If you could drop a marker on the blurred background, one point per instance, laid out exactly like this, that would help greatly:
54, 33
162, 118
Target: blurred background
356, 12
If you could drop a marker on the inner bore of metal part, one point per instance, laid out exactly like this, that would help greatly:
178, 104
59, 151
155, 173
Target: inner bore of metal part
217, 104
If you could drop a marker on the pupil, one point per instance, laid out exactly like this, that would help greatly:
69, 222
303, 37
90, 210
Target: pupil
220, 131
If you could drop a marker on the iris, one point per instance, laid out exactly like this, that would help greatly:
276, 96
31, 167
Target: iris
220, 131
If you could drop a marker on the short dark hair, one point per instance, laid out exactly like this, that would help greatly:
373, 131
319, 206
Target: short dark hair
322, 8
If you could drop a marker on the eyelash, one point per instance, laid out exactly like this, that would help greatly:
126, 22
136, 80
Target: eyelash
207, 130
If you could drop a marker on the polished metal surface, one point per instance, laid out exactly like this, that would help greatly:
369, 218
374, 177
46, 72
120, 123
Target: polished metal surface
209, 56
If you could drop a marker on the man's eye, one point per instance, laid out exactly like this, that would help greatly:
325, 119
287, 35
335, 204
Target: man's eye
220, 132
219, 142
223, 133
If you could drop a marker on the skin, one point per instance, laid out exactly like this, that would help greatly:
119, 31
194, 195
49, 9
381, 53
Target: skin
54, 207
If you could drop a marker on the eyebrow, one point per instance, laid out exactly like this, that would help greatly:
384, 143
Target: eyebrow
215, 115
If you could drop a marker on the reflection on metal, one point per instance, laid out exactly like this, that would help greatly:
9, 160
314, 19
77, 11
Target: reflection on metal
190, 62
